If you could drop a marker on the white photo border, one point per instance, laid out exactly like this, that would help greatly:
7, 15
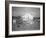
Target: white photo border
25, 32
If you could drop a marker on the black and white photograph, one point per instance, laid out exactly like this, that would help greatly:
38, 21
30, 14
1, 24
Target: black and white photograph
26, 18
